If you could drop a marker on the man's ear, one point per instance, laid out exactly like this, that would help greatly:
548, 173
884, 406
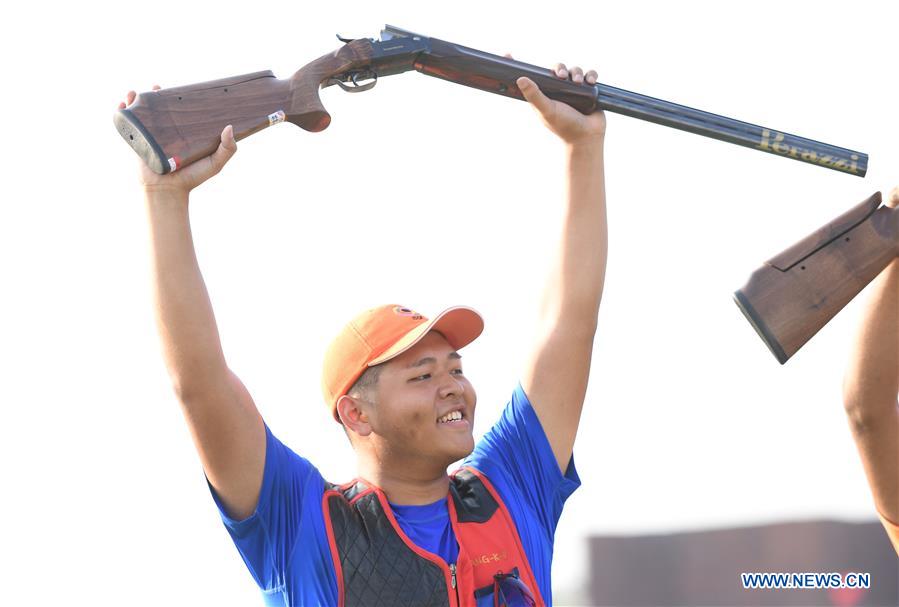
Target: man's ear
353, 414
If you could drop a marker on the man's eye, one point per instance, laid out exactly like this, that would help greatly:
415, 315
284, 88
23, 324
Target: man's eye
426, 375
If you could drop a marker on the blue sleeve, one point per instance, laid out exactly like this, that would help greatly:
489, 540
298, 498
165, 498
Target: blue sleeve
517, 458
290, 496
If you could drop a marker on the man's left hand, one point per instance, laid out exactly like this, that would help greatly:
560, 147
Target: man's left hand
562, 119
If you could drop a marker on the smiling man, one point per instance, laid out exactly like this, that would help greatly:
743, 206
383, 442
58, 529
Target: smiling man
404, 532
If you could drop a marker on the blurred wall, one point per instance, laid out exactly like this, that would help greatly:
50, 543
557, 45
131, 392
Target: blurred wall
704, 567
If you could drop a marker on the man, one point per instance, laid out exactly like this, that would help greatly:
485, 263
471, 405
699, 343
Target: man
404, 532
870, 389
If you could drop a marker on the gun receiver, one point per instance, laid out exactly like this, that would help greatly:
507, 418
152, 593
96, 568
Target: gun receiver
790, 298
172, 128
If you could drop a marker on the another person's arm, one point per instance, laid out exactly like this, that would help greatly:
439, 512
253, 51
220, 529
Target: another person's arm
555, 377
870, 390
227, 429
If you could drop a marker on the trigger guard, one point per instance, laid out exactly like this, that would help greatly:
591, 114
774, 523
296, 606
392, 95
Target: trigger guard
356, 88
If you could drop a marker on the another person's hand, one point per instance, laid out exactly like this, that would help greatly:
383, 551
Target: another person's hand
185, 179
562, 119
893, 199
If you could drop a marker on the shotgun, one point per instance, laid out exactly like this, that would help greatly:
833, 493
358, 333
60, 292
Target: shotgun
793, 295
171, 128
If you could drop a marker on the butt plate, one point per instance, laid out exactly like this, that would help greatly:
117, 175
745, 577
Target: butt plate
760, 327
134, 133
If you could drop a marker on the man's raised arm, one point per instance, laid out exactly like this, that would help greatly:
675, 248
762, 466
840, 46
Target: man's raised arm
555, 376
871, 386
226, 427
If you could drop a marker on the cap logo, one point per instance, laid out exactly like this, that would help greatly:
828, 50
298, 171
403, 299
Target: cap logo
400, 311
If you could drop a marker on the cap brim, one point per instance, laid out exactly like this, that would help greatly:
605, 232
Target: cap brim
460, 325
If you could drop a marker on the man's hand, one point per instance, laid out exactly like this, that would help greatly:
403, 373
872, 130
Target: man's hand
184, 180
893, 200
562, 119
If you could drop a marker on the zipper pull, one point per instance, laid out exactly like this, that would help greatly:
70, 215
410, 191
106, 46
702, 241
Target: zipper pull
453, 572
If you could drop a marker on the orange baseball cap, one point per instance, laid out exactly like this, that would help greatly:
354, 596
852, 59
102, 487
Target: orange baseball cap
379, 334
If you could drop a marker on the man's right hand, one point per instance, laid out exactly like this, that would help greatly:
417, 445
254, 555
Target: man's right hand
184, 180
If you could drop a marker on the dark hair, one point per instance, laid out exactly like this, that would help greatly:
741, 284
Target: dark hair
364, 388
367, 384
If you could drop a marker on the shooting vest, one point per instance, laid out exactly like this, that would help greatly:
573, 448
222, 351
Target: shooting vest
377, 564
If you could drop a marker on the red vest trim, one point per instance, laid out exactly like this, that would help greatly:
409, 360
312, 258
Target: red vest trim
491, 547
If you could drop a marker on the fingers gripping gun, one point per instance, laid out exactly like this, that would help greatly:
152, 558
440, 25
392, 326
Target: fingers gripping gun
171, 128
796, 293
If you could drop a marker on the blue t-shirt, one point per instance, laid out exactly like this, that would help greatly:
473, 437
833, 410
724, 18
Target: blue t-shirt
285, 546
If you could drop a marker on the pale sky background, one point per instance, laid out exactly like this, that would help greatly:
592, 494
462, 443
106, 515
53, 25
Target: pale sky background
427, 194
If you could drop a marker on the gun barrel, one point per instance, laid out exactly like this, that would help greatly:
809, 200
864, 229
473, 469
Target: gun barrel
730, 130
495, 74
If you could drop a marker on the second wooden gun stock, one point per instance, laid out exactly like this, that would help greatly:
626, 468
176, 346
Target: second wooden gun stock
793, 295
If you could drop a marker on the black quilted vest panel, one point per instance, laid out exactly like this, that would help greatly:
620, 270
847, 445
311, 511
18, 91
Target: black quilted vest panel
379, 569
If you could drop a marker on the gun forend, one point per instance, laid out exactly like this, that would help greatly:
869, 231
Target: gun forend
793, 295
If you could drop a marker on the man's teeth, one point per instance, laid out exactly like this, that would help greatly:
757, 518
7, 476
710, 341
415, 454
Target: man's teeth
451, 417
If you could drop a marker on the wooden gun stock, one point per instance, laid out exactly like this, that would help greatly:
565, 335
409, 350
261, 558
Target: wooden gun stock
171, 128
796, 293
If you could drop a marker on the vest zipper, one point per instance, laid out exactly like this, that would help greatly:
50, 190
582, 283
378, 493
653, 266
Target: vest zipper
453, 580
